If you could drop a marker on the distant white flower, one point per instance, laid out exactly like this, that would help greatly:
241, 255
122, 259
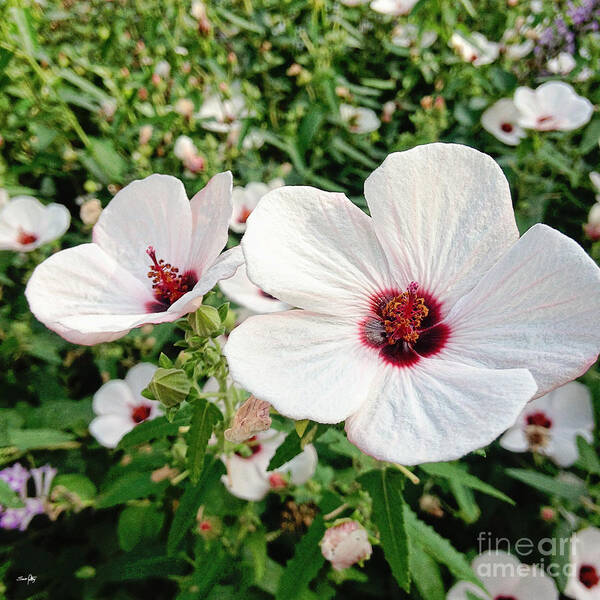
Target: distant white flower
393, 7
186, 151
145, 134
184, 107
90, 211
553, 106
245, 200
595, 179
346, 544
502, 121
198, 10
162, 69
562, 64
592, 227
221, 114
243, 292
247, 476
108, 108
475, 48
154, 255
353, 2
359, 119
550, 425
406, 35
584, 575
426, 326
505, 578
27, 224
120, 406
518, 51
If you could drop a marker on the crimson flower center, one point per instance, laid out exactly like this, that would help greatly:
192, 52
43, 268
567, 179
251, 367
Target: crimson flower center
168, 283
140, 413
25, 237
539, 419
589, 576
505, 598
244, 214
252, 445
506, 127
403, 314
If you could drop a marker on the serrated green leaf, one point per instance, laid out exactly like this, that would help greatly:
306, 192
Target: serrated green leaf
438, 547
303, 567
588, 459
109, 162
425, 573
130, 568
290, 448
37, 439
138, 524
385, 488
569, 490
206, 416
189, 503
128, 487
8, 498
164, 361
149, 430
455, 473
591, 136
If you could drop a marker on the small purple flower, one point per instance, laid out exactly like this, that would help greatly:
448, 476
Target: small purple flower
16, 477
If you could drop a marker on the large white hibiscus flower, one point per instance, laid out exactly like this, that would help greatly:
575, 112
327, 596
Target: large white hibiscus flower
154, 255
427, 326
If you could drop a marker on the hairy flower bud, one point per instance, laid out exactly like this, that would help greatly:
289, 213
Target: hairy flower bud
251, 418
169, 386
346, 544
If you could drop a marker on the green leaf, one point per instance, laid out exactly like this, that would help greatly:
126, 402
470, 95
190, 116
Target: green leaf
85, 86
469, 512
256, 543
27, 33
290, 448
128, 487
112, 166
8, 498
164, 361
76, 483
130, 567
37, 439
569, 490
303, 567
206, 416
190, 501
385, 488
455, 473
301, 426
438, 547
149, 430
138, 524
338, 442
310, 124
351, 152
588, 459
591, 136
425, 573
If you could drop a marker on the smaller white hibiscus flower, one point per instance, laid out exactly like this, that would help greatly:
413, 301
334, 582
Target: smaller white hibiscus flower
27, 224
221, 114
550, 425
120, 406
243, 292
154, 255
394, 8
245, 200
475, 48
505, 578
185, 150
562, 64
502, 121
247, 476
584, 576
553, 106
359, 119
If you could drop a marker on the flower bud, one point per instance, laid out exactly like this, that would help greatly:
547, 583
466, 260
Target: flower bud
346, 544
205, 321
184, 107
431, 505
90, 211
169, 386
251, 418
145, 134
592, 227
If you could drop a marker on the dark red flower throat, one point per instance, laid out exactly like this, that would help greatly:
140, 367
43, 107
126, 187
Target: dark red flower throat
404, 326
168, 284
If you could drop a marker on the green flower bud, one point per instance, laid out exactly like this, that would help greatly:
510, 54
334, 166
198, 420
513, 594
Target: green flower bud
205, 321
169, 386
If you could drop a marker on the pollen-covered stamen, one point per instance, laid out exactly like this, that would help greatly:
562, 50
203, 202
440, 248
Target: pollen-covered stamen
168, 284
403, 314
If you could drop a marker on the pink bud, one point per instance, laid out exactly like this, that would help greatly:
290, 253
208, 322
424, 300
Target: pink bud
346, 544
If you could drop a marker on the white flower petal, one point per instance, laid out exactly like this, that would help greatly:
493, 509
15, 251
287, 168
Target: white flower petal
109, 429
437, 411
114, 398
515, 439
245, 479
459, 591
537, 308
315, 250
211, 211
444, 216
536, 585
501, 120
317, 368
154, 211
87, 297
243, 292
571, 407
225, 266
138, 378
58, 219
497, 571
302, 467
